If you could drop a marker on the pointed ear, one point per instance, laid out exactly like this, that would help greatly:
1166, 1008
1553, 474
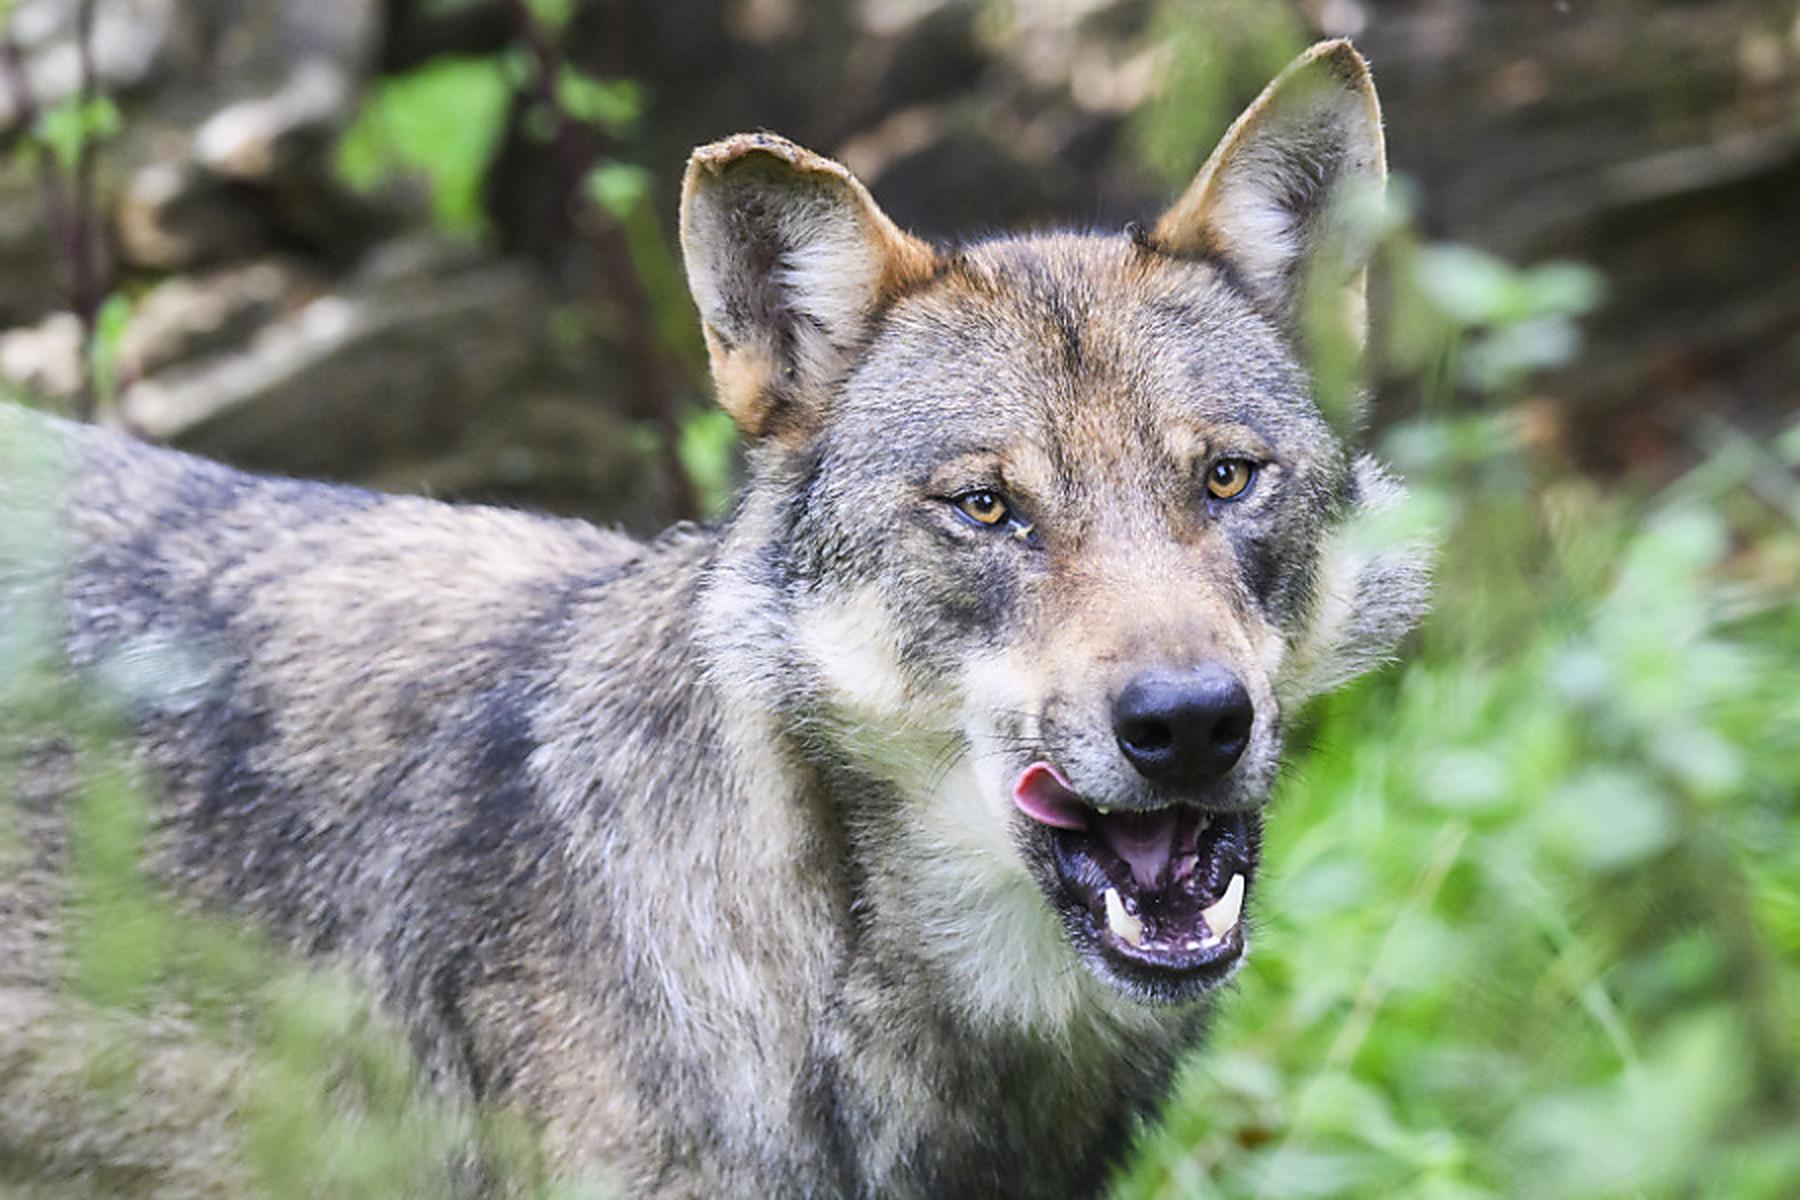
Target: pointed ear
788, 259
1262, 201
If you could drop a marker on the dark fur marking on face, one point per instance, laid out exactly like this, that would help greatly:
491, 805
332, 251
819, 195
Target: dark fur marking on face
1267, 566
1068, 328
1045, 292
981, 592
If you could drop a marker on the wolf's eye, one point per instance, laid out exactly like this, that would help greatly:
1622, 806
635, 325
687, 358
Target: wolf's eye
983, 507
1227, 478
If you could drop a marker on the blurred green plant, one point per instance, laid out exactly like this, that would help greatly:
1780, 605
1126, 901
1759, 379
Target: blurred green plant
61, 147
67, 128
442, 122
1215, 56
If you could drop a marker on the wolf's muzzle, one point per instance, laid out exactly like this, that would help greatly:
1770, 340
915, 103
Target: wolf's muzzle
1183, 729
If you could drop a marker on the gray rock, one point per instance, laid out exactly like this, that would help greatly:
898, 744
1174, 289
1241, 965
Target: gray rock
362, 373
44, 360
172, 216
189, 316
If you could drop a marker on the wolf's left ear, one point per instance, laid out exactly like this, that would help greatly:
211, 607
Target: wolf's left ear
1262, 200
788, 259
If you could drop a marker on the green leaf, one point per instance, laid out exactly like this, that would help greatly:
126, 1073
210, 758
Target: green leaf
1609, 818
1467, 284
620, 189
65, 128
110, 324
1513, 352
1467, 781
1563, 289
613, 105
707, 452
553, 15
441, 122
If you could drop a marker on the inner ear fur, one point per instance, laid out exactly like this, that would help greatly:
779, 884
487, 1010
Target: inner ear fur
1262, 201
789, 259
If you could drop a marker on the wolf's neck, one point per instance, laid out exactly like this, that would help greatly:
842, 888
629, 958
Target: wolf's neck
838, 963
947, 1021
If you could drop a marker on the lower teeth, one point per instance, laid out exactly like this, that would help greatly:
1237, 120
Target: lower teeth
1222, 917
1122, 923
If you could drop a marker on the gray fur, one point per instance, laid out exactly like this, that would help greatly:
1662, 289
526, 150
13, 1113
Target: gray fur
692, 850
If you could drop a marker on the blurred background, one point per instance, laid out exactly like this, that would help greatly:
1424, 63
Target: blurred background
1531, 923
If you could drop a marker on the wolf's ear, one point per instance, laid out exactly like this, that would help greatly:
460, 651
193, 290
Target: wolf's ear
788, 258
1262, 200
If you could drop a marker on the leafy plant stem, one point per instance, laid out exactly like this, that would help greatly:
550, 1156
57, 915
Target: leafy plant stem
69, 204
647, 360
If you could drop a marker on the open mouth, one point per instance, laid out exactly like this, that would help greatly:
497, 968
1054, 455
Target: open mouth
1159, 893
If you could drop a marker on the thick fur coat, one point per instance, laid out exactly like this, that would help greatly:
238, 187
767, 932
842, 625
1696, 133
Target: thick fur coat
781, 858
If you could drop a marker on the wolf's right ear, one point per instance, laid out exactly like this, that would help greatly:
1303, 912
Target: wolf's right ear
1262, 200
788, 259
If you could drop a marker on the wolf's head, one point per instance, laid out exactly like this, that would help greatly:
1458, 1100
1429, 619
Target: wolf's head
1049, 533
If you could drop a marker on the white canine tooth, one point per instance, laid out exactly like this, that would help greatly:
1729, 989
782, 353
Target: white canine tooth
1222, 917
1121, 922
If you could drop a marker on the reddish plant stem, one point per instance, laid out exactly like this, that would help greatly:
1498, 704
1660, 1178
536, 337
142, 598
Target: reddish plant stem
647, 362
86, 291
68, 205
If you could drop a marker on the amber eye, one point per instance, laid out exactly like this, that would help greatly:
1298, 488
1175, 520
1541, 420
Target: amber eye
983, 508
1227, 478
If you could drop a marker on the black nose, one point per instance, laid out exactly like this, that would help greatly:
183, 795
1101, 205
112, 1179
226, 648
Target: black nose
1183, 727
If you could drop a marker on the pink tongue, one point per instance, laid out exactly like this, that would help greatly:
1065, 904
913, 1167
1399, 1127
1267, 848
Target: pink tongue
1143, 840
1044, 795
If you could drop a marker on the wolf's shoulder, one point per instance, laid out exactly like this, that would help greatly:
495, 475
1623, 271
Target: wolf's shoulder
107, 488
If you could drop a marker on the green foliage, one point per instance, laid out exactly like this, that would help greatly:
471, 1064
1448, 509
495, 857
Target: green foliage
622, 191
66, 128
110, 324
1522, 317
613, 105
708, 450
1217, 55
441, 122
553, 15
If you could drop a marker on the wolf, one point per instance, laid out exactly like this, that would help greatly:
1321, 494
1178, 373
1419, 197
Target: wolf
892, 837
